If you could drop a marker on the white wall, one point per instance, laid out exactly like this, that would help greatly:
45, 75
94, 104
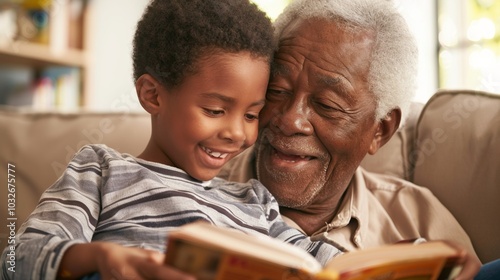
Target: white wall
421, 18
112, 27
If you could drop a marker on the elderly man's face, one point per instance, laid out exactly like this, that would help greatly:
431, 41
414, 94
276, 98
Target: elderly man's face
318, 122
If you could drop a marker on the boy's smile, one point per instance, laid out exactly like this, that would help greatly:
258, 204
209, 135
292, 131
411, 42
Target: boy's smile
210, 117
214, 154
215, 160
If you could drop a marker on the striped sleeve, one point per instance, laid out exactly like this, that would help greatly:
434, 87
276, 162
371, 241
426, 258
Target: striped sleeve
66, 214
279, 229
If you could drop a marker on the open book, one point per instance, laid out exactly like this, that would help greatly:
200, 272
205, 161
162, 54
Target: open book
211, 252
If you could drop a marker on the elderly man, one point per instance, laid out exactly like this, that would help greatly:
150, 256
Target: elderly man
342, 81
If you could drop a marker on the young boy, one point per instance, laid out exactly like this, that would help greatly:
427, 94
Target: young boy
201, 70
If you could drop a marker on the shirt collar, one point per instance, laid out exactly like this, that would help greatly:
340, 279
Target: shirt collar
354, 206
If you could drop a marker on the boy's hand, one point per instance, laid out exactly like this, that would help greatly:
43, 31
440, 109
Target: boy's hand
134, 263
114, 261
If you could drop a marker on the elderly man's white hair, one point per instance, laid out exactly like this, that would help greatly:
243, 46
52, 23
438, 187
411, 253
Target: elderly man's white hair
393, 69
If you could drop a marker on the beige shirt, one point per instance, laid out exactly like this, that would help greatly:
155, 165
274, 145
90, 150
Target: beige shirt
377, 210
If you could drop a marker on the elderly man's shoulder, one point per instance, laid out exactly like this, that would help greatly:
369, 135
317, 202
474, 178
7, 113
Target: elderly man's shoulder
377, 183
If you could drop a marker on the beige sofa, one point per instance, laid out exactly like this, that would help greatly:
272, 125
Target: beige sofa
451, 145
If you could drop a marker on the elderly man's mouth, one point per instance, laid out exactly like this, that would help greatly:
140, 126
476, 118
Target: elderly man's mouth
290, 157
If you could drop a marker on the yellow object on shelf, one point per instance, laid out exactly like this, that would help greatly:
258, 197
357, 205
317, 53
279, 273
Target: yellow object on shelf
36, 4
34, 21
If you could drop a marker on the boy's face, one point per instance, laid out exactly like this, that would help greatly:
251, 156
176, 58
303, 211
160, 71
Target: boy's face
213, 115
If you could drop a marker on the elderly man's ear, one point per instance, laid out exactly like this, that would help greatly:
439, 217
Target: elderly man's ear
386, 128
148, 90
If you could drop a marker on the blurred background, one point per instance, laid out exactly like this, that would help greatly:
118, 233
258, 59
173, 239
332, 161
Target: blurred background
76, 54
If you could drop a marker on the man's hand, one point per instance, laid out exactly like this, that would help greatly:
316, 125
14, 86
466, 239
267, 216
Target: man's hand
470, 262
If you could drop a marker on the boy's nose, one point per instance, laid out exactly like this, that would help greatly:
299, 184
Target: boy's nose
234, 131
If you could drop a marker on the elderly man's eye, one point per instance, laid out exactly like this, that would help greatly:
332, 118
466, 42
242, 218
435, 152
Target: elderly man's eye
275, 91
273, 94
328, 108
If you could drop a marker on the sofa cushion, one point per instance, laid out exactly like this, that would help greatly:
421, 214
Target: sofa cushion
40, 145
458, 158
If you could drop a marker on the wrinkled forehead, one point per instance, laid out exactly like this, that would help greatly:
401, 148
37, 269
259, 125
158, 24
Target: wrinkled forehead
328, 45
324, 36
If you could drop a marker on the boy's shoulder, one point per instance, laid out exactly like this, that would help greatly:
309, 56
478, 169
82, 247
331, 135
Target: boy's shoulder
254, 185
101, 149
100, 153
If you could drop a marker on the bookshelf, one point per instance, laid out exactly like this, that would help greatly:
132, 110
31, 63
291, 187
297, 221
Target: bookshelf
43, 66
40, 55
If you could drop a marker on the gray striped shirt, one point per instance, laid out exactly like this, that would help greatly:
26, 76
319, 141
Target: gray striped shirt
107, 196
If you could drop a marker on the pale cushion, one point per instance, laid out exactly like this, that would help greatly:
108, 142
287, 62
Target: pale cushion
458, 159
41, 144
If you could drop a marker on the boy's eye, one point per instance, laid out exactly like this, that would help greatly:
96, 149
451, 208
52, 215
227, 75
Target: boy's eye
251, 117
215, 113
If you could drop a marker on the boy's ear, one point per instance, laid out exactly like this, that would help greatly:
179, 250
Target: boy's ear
386, 128
148, 90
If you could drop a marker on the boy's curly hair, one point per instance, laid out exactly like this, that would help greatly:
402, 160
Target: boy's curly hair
173, 35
